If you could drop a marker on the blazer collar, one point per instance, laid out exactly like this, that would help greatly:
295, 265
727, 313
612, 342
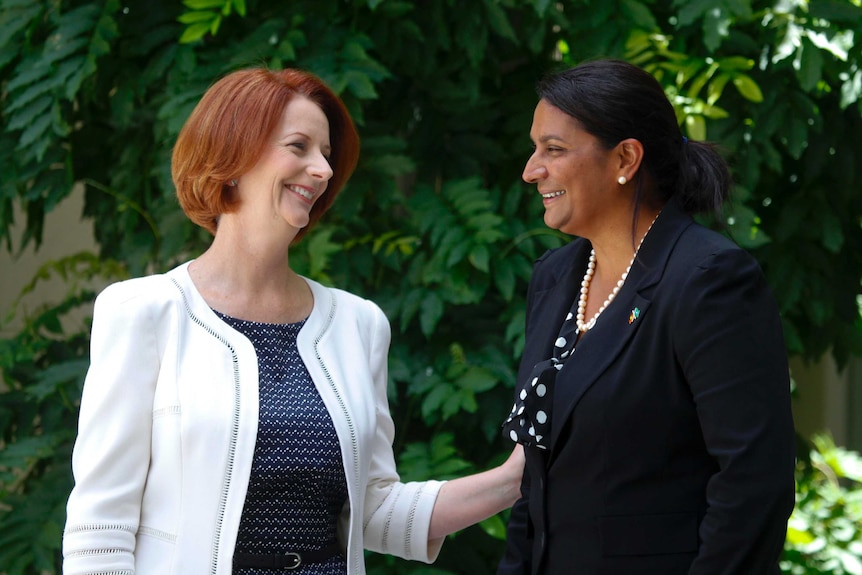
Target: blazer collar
315, 327
601, 346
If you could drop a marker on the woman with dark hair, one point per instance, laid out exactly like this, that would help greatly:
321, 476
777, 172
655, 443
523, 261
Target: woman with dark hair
234, 417
653, 397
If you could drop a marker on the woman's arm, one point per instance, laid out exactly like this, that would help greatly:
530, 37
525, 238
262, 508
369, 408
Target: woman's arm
112, 449
731, 349
467, 500
410, 520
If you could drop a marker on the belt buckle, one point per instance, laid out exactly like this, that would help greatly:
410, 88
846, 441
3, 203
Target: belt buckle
294, 559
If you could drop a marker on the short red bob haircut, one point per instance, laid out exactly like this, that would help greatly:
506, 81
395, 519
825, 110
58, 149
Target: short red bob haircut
225, 135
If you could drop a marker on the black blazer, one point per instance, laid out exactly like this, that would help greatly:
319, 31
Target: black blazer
672, 444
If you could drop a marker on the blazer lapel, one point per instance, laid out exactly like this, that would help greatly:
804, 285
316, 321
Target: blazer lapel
618, 324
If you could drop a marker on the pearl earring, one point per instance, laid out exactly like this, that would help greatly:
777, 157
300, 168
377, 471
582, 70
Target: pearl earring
622, 180
233, 183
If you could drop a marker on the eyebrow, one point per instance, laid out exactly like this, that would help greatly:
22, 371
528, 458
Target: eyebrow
548, 137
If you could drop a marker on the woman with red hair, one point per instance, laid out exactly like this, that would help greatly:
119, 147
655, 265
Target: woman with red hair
234, 417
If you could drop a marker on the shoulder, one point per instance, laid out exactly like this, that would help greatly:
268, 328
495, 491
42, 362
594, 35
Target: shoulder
343, 305
702, 247
140, 295
144, 289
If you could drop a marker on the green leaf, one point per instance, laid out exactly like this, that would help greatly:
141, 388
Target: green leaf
695, 127
638, 14
194, 32
692, 11
504, 277
477, 380
360, 85
38, 128
832, 234
205, 4
30, 111
480, 258
498, 20
431, 311
811, 66
57, 374
495, 527
716, 87
199, 16
748, 88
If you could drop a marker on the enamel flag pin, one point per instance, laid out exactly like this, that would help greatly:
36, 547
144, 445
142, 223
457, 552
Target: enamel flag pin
634, 315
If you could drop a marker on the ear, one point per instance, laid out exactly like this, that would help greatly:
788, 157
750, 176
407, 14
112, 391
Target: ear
630, 154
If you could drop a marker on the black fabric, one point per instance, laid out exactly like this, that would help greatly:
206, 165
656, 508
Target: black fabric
529, 423
286, 561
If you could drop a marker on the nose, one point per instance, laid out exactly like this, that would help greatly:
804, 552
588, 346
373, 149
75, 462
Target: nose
533, 171
320, 168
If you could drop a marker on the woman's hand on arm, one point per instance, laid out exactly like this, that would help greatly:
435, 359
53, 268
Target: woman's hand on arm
468, 500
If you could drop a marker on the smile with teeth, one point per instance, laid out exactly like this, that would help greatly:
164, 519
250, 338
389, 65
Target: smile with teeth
301, 191
550, 195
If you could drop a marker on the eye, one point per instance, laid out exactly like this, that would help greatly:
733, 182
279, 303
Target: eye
297, 145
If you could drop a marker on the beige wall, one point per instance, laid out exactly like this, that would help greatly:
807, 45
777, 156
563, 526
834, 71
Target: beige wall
65, 234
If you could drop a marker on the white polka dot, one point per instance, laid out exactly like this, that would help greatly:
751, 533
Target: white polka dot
523, 394
561, 341
533, 383
568, 317
559, 366
541, 389
521, 410
513, 435
541, 417
532, 430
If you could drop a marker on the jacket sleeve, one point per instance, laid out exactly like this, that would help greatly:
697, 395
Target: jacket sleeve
729, 342
112, 449
397, 515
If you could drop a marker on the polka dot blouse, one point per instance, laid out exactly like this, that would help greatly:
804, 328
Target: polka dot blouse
297, 486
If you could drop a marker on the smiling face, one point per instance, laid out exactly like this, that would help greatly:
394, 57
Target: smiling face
292, 171
574, 173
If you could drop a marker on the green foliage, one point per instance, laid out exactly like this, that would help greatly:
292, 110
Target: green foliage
43, 367
825, 531
436, 225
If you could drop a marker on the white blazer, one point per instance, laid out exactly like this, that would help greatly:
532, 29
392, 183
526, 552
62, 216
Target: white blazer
168, 424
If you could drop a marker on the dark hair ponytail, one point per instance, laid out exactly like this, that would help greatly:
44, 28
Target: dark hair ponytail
614, 100
704, 182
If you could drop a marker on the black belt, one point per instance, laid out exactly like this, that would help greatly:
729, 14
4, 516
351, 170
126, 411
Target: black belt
287, 561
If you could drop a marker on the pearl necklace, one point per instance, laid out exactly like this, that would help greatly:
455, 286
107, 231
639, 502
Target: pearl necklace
583, 326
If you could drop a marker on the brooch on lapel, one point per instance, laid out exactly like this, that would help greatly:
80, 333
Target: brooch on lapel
634, 315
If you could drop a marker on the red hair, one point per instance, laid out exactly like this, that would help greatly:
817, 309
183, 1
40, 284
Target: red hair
228, 129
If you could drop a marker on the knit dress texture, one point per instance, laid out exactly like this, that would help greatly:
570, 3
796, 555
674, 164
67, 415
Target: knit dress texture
297, 487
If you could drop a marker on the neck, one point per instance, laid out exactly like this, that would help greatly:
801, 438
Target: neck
250, 279
607, 277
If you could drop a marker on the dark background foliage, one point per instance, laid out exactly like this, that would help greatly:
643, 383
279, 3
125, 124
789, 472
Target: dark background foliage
436, 225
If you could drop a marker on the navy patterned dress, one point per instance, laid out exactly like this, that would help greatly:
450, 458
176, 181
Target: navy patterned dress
297, 487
